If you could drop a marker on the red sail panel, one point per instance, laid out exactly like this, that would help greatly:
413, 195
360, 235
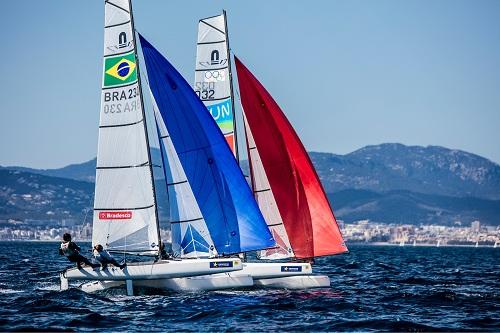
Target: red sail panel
308, 218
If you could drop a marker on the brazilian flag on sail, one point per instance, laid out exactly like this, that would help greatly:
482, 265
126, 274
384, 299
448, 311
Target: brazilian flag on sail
120, 70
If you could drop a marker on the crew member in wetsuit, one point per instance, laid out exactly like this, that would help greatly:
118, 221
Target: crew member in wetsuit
105, 258
163, 253
72, 252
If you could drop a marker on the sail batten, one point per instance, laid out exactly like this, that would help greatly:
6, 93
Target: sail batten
224, 199
302, 203
125, 215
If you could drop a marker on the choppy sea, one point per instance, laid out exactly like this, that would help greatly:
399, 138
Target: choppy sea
373, 288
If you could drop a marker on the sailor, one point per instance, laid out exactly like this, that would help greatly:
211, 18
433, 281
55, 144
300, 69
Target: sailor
211, 252
163, 255
105, 258
72, 252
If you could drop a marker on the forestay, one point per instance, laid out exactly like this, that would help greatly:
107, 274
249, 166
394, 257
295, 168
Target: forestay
190, 236
225, 201
124, 205
212, 76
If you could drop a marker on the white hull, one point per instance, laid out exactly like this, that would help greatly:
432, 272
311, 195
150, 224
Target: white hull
156, 270
267, 270
93, 286
198, 283
238, 279
295, 282
291, 275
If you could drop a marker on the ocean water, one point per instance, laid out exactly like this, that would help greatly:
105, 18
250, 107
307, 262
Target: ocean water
374, 288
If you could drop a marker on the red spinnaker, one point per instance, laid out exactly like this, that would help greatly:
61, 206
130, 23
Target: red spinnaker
302, 202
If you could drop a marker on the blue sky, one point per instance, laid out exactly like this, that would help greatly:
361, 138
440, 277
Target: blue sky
346, 73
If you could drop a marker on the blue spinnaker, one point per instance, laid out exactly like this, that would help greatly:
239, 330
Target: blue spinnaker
233, 218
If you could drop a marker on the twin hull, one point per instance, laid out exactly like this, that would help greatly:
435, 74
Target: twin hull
163, 269
289, 275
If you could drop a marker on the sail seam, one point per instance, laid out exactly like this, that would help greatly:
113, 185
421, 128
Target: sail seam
263, 190
124, 166
134, 208
177, 183
222, 32
117, 54
215, 99
211, 69
204, 43
116, 25
112, 4
274, 224
185, 221
121, 125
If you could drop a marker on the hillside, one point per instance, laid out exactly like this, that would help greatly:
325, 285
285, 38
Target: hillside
25, 195
405, 207
386, 183
429, 170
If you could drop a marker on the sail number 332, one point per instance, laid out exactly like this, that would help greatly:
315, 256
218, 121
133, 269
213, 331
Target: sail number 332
205, 90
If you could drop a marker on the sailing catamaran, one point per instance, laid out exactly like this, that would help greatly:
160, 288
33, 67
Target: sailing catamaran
125, 212
218, 209
283, 178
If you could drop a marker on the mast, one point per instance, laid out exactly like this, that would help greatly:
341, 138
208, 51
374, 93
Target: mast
145, 126
236, 150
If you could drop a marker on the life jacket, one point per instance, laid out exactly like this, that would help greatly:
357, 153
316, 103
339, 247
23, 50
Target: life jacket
66, 250
102, 256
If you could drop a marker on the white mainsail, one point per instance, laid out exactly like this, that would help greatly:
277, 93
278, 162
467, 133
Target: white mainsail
125, 216
267, 204
190, 235
213, 75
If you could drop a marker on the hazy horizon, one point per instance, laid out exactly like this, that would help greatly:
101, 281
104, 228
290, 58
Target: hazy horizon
347, 74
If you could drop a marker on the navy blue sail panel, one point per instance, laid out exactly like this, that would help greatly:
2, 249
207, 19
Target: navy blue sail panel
232, 216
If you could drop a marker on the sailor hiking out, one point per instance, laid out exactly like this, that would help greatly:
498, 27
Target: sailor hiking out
105, 258
72, 252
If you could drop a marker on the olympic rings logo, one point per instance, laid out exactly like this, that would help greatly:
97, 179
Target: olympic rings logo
214, 76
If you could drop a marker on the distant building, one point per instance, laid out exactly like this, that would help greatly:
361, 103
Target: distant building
475, 226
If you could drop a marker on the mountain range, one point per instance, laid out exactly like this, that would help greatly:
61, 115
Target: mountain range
390, 183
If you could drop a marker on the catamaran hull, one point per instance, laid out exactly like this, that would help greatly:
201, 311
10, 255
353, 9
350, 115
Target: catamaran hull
238, 279
287, 275
232, 280
267, 270
196, 283
199, 283
94, 286
294, 282
155, 270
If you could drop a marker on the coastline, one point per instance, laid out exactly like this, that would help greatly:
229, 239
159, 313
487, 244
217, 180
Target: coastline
348, 243
418, 245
